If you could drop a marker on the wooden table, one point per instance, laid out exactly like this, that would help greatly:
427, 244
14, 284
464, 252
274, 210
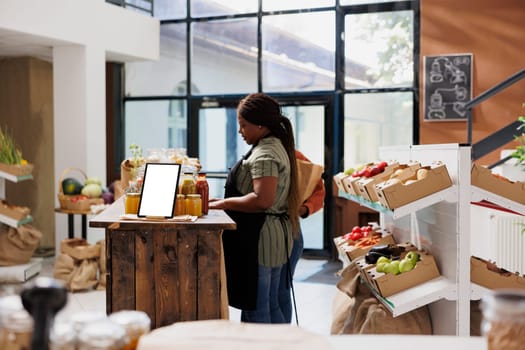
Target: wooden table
170, 270
71, 221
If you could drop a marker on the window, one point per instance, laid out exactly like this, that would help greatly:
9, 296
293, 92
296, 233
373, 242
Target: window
361, 56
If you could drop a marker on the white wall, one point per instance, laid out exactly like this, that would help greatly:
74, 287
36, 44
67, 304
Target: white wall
83, 34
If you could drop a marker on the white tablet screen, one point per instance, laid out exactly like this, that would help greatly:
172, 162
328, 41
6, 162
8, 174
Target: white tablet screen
159, 190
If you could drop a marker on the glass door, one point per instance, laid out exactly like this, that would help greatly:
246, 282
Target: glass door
219, 145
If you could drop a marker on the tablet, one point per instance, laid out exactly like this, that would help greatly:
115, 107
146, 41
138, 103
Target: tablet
159, 190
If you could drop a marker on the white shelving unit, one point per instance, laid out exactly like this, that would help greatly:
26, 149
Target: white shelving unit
440, 224
5, 219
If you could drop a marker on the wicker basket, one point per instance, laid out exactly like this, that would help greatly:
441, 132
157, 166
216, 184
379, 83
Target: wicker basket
65, 200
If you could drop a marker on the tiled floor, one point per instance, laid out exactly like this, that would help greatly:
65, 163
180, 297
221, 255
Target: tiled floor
314, 300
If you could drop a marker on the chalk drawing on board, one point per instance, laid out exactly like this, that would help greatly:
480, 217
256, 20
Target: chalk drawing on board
448, 87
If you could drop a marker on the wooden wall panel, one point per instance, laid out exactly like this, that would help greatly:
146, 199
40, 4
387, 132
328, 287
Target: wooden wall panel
493, 32
26, 109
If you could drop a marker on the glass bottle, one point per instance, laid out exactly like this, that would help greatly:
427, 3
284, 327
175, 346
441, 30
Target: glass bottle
194, 204
503, 321
188, 184
203, 189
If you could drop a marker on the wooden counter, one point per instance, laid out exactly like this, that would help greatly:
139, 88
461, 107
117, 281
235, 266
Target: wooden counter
170, 270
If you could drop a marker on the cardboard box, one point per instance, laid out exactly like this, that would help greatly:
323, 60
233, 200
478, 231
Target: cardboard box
484, 178
355, 252
338, 179
365, 186
15, 212
388, 284
350, 186
395, 195
493, 279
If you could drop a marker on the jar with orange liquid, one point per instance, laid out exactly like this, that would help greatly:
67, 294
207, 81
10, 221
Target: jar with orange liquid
131, 203
194, 205
188, 184
180, 205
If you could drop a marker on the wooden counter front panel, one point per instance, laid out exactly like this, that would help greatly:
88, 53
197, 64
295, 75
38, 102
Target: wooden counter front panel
172, 275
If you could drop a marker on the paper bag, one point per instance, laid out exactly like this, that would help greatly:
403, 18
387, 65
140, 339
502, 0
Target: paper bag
309, 175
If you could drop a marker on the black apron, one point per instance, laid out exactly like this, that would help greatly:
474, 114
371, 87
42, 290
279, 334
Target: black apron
241, 249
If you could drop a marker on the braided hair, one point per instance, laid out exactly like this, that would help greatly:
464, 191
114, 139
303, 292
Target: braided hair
261, 109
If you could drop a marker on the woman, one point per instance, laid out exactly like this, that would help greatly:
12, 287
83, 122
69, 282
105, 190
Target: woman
261, 197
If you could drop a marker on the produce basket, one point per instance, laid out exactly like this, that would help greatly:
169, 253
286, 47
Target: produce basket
17, 169
75, 202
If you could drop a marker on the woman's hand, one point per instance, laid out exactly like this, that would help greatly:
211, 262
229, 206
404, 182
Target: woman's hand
216, 203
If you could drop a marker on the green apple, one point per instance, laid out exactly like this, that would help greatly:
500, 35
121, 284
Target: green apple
392, 267
413, 256
380, 267
349, 171
382, 259
406, 265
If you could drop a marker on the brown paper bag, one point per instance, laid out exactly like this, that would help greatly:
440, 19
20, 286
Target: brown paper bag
64, 267
17, 245
84, 276
309, 175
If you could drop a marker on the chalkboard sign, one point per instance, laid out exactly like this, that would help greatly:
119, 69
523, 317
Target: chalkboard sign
448, 87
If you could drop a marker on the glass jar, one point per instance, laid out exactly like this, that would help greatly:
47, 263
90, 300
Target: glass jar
194, 205
16, 325
203, 189
503, 321
62, 336
131, 203
136, 323
16, 332
187, 185
180, 205
102, 335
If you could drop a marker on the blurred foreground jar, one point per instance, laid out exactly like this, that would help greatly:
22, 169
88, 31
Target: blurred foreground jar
16, 331
136, 324
102, 335
504, 319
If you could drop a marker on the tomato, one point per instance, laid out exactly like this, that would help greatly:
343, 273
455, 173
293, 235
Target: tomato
355, 236
356, 229
347, 236
78, 198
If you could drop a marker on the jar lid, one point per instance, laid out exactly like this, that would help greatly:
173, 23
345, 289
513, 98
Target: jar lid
504, 302
134, 322
103, 334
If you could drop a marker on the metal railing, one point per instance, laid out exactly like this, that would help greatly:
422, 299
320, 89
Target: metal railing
145, 6
503, 135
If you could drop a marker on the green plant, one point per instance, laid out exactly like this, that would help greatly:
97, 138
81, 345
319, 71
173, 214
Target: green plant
519, 152
9, 151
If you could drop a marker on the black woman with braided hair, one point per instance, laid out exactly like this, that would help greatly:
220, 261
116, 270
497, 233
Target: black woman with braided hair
261, 196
